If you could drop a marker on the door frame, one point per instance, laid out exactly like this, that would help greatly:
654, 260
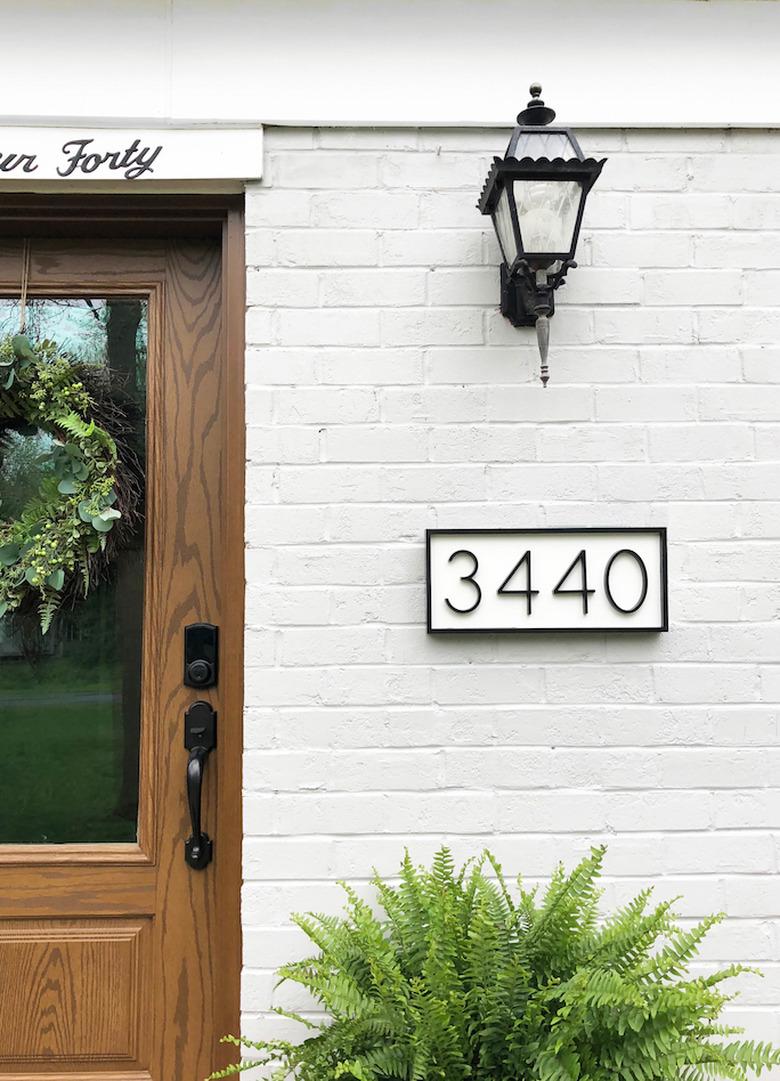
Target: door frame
220, 217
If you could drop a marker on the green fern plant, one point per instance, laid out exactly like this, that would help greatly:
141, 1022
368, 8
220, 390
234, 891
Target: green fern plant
463, 977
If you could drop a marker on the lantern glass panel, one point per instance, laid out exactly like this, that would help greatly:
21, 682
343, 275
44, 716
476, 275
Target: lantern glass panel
547, 214
539, 143
502, 221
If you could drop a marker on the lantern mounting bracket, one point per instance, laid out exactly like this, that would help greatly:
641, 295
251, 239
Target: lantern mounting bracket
527, 294
520, 299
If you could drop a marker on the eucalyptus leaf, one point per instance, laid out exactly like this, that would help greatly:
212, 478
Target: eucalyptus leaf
9, 554
67, 486
56, 579
20, 344
85, 514
101, 525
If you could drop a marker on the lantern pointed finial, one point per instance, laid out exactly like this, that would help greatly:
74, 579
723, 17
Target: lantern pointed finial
543, 341
536, 113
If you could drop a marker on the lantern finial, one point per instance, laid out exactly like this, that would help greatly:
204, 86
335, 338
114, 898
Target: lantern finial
536, 113
543, 341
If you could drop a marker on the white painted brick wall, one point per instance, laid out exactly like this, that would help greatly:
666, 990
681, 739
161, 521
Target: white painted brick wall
386, 394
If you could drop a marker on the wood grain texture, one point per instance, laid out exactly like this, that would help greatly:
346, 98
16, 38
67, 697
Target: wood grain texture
116, 932
185, 453
73, 854
77, 989
229, 773
68, 891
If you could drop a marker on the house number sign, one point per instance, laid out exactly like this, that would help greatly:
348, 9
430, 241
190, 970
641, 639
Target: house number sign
510, 580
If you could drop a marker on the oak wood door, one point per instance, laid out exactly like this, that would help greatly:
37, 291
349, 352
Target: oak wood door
118, 962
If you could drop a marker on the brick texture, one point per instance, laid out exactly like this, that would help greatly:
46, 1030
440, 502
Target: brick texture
386, 394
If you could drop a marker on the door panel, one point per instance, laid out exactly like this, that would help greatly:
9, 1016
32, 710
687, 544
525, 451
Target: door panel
113, 952
77, 987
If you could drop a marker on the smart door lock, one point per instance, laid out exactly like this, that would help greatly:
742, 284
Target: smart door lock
201, 655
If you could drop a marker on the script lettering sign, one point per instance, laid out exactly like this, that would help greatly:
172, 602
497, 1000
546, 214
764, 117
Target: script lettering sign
129, 154
502, 580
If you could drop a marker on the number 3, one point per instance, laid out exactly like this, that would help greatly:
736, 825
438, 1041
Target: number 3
466, 578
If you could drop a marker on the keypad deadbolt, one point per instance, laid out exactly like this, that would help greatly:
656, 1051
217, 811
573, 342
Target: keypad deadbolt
201, 655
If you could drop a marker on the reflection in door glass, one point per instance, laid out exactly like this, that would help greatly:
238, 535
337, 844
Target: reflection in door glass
70, 699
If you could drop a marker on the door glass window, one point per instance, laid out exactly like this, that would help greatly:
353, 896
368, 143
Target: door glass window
70, 699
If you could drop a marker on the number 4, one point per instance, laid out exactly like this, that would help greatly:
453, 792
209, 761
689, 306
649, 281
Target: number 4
528, 593
584, 592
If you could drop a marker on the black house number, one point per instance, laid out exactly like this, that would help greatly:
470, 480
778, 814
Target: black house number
578, 567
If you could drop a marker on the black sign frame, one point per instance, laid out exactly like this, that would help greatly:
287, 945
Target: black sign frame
659, 531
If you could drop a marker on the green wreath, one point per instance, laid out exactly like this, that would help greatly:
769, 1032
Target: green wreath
52, 550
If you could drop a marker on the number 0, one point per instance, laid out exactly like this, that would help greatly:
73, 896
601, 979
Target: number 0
643, 570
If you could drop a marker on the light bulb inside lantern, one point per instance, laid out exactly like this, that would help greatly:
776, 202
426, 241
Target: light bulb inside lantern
547, 214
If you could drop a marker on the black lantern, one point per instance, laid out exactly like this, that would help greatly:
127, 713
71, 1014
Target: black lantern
536, 196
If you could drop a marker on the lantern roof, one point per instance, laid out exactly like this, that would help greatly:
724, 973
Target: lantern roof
537, 151
533, 138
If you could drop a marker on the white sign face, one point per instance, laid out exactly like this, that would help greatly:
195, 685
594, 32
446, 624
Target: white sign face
129, 154
491, 580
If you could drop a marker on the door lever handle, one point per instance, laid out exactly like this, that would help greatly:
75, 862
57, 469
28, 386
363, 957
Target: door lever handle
200, 739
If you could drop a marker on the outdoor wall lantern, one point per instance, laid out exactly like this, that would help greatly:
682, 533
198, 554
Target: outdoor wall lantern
536, 195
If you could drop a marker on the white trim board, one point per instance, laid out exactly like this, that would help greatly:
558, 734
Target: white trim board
624, 63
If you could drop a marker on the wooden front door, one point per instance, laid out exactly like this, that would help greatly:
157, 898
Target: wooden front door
119, 961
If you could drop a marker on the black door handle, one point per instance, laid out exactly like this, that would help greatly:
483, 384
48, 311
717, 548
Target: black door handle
200, 739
